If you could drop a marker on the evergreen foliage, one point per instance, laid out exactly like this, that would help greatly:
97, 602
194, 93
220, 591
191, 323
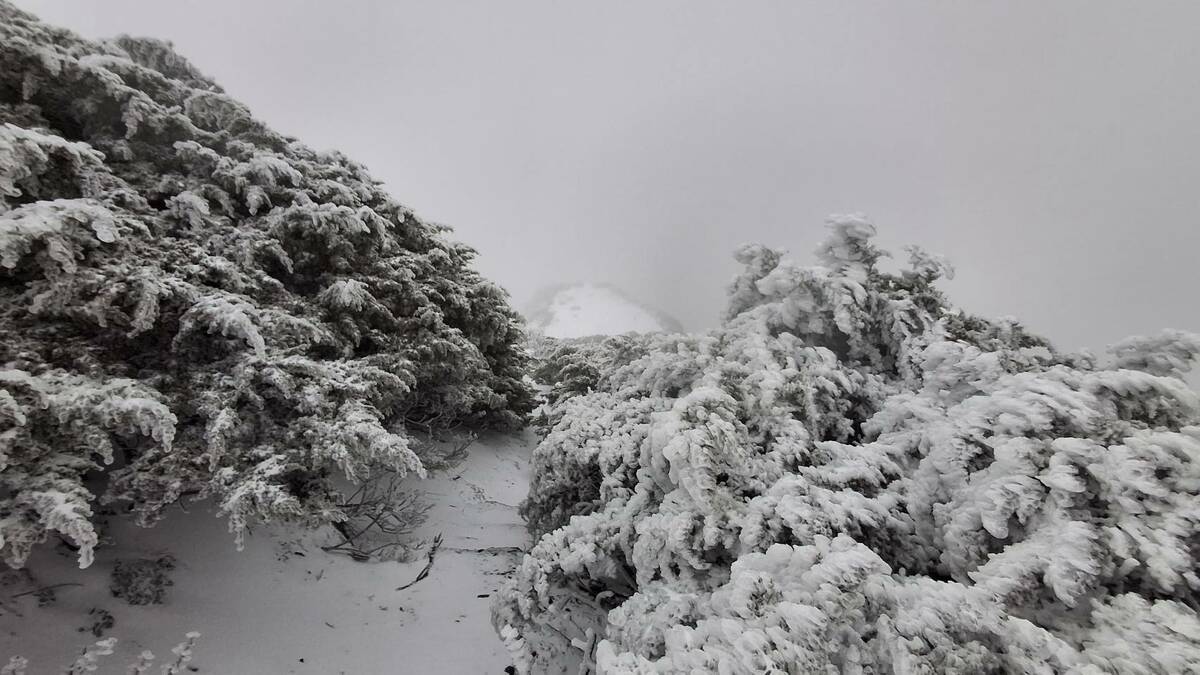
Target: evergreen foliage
851, 475
194, 304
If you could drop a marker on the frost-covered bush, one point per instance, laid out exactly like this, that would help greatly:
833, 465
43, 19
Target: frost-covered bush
193, 304
90, 658
851, 475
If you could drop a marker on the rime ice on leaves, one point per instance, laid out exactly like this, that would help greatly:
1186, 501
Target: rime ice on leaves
850, 475
246, 316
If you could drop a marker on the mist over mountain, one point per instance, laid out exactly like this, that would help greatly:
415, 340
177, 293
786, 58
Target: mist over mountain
257, 415
582, 309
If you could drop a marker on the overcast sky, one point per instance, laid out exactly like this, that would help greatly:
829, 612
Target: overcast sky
1050, 149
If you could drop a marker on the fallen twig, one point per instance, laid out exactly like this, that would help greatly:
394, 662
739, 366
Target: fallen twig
489, 549
433, 548
46, 588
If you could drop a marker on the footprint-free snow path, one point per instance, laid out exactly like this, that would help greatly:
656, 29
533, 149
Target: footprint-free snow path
282, 605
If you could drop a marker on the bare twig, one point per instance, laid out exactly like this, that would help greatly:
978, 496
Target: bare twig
46, 588
433, 548
380, 520
489, 549
442, 460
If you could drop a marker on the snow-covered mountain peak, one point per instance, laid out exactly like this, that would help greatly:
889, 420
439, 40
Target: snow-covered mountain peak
579, 310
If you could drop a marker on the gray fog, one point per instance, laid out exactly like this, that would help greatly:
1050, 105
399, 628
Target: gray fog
1050, 150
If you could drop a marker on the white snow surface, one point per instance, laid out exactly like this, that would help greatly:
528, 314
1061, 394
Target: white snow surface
581, 310
282, 605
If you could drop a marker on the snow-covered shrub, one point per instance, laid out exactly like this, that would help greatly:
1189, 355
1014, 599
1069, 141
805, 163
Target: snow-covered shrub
89, 659
194, 304
851, 475
572, 366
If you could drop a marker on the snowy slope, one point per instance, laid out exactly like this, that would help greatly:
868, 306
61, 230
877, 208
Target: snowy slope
580, 310
284, 606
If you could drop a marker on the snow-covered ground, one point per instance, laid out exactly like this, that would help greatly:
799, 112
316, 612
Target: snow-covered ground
282, 605
581, 310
